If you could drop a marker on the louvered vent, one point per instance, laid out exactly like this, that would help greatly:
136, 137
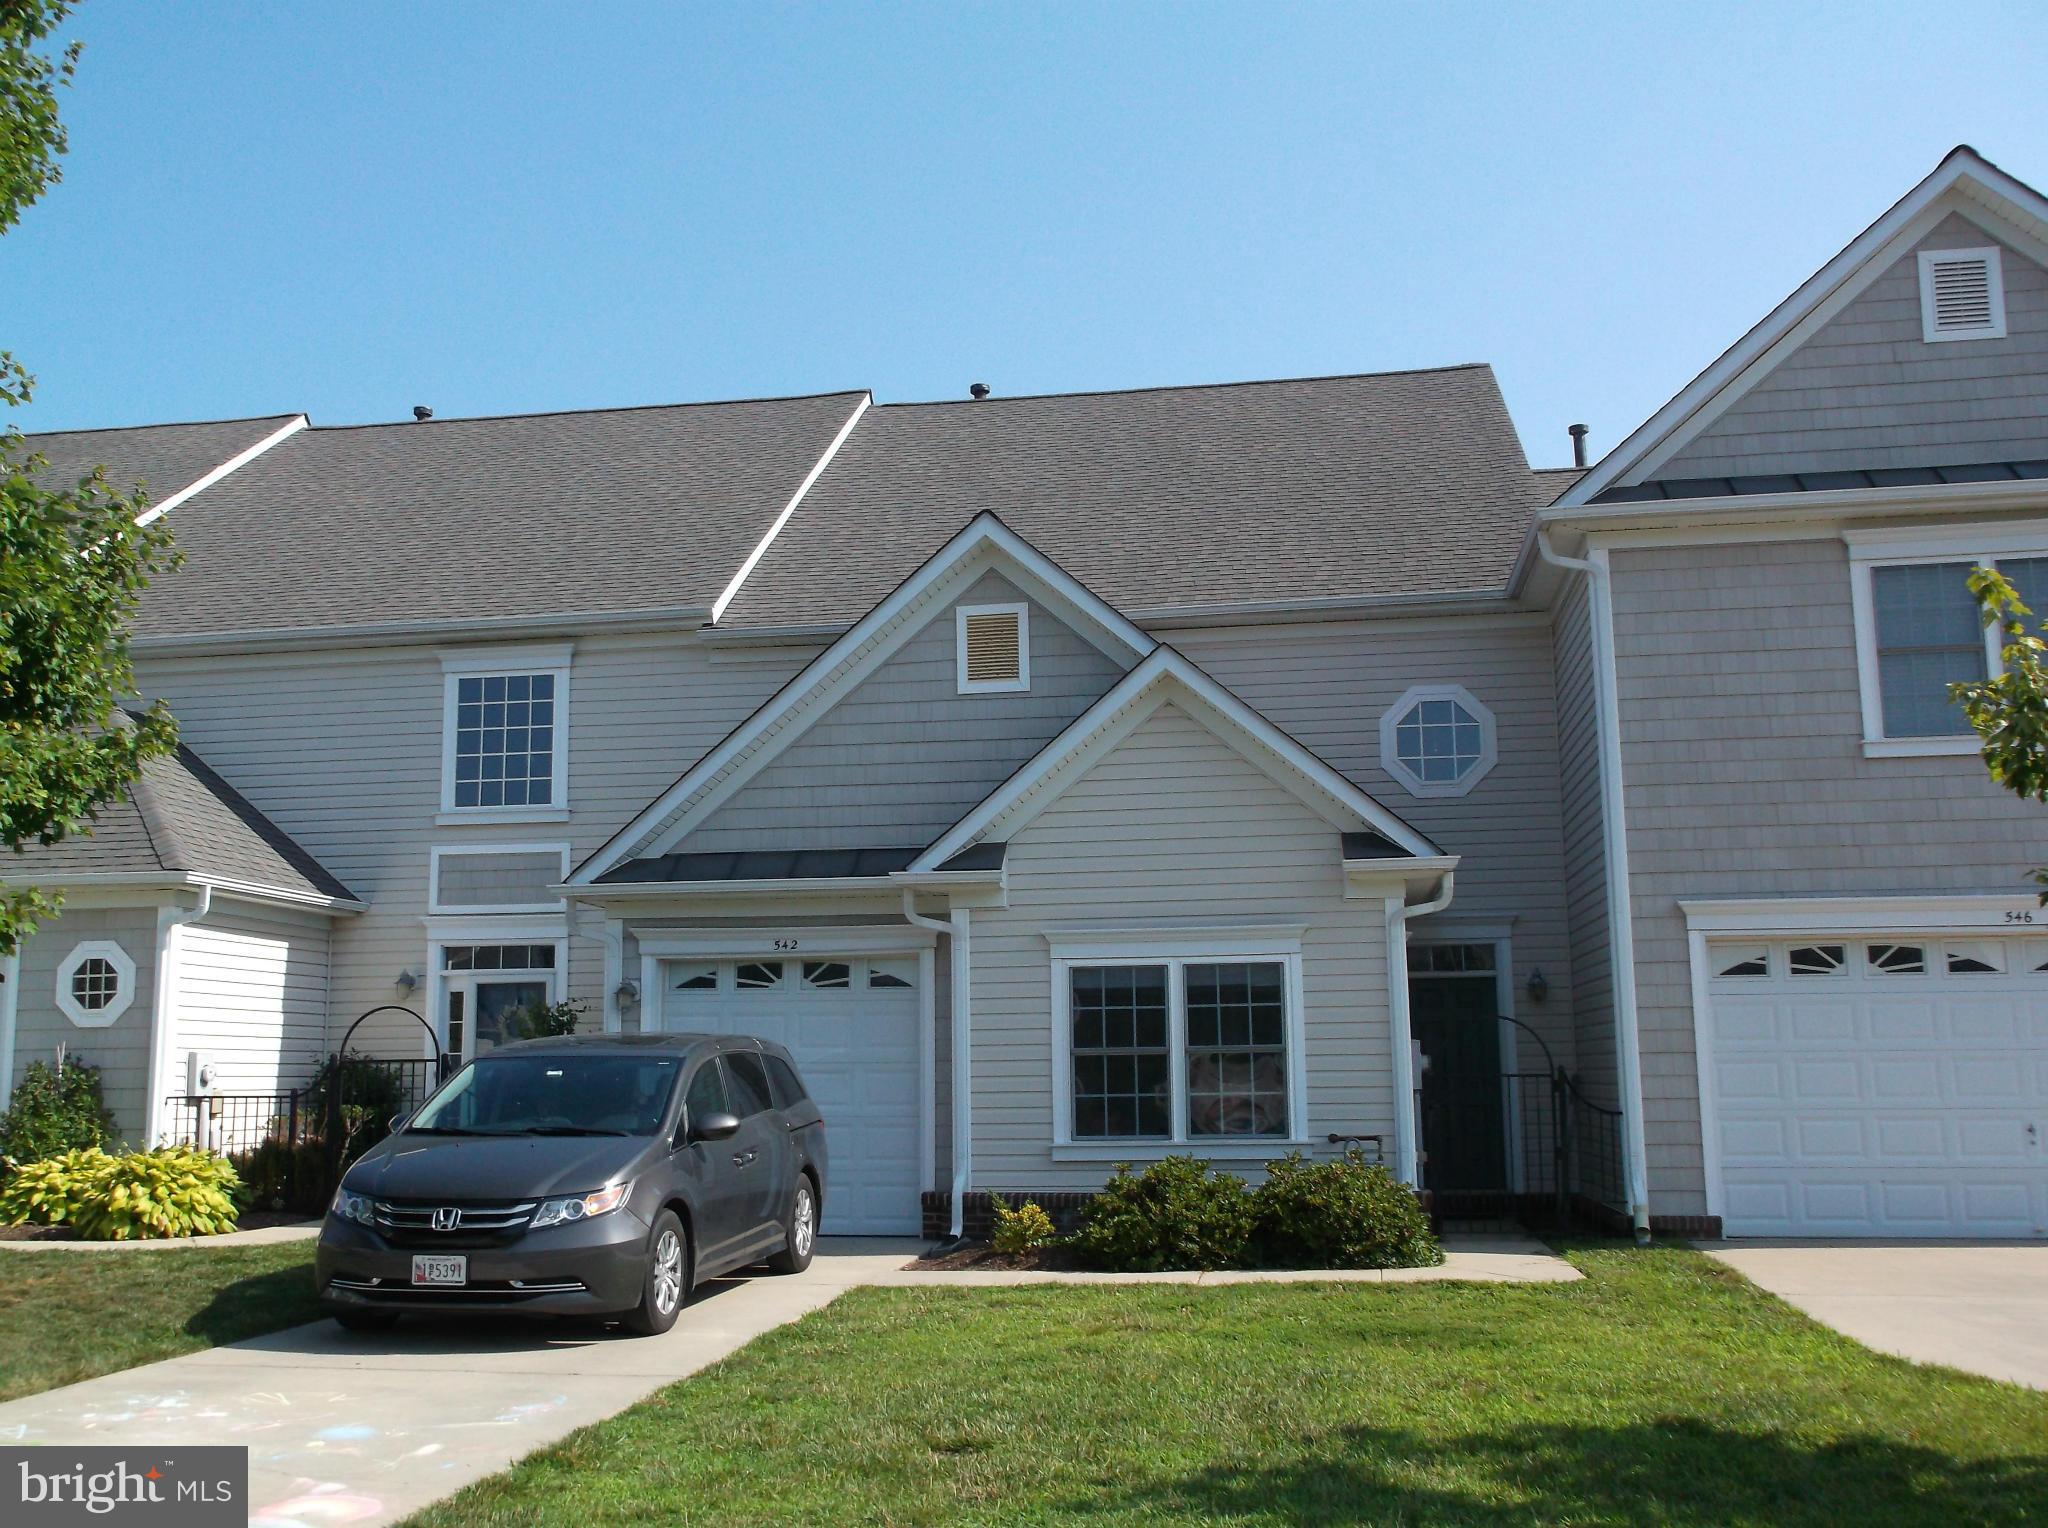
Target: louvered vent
1961, 295
992, 649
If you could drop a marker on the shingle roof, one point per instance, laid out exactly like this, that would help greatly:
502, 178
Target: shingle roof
163, 457
469, 519
1386, 484
1552, 481
1824, 482
181, 818
789, 864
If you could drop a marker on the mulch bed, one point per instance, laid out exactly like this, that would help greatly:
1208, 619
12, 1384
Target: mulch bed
254, 1220
980, 1257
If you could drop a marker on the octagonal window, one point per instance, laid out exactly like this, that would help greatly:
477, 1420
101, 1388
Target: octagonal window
1437, 740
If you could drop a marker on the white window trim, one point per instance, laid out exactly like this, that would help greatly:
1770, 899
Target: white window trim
439, 852
124, 993
1022, 682
1390, 753
1995, 275
1869, 552
552, 659
1175, 954
440, 982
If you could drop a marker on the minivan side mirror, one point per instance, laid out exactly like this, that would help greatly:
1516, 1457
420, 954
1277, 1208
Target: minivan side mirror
714, 1127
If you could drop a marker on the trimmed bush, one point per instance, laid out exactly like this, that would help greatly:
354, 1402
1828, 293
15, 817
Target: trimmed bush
371, 1093
1175, 1214
171, 1191
1349, 1213
53, 1112
1023, 1229
282, 1176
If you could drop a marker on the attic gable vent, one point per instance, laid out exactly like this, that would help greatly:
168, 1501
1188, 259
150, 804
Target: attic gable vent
995, 648
1962, 295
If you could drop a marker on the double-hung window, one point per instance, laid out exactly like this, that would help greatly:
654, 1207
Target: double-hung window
505, 727
1176, 1044
1919, 631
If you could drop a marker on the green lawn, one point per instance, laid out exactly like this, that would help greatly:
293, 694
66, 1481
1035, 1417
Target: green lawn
66, 1316
1663, 1389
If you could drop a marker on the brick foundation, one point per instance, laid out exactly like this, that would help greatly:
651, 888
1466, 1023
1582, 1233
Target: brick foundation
978, 1217
1690, 1227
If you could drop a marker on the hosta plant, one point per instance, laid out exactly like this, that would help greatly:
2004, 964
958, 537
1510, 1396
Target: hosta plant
171, 1191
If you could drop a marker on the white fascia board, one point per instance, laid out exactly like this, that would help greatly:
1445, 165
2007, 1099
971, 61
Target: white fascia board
773, 942
104, 884
732, 588
1140, 692
240, 459
864, 646
2016, 912
1662, 429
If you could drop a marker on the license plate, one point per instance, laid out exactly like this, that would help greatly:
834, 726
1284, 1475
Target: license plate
440, 1270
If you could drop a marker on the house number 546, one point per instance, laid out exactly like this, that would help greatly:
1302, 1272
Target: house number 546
2019, 915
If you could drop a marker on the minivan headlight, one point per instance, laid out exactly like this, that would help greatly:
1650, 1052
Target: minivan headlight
356, 1207
555, 1212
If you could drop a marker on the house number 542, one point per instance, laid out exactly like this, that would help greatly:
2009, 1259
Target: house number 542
785, 944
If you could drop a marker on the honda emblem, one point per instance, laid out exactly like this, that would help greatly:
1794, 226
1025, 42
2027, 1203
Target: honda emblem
447, 1218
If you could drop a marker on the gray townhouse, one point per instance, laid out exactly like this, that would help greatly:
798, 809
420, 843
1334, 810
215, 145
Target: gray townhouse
1077, 780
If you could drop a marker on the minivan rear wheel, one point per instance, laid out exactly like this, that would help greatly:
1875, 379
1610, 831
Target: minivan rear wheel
667, 1281
800, 1229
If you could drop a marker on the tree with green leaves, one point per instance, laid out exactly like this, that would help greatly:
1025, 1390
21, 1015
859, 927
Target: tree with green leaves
73, 559
2010, 712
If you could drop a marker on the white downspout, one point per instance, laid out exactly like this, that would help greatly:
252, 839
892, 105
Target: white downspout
164, 1003
10, 1003
1400, 1033
1614, 833
957, 965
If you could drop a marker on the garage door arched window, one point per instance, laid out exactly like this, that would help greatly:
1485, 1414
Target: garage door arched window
1437, 740
95, 983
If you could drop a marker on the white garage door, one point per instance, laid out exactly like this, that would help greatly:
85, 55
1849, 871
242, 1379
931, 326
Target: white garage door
852, 1025
1879, 1086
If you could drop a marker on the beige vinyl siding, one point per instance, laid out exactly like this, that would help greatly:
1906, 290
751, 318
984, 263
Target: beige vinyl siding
1328, 684
902, 756
1866, 390
1743, 761
121, 1050
499, 879
252, 994
1585, 850
343, 751
1173, 827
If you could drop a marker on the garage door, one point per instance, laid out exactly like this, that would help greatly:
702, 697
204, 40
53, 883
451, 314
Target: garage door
853, 1027
1879, 1086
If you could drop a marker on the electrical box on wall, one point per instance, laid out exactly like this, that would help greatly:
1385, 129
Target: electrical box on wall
199, 1074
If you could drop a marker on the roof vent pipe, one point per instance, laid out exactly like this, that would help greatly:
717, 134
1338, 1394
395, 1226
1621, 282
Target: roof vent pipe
1578, 434
978, 391
421, 413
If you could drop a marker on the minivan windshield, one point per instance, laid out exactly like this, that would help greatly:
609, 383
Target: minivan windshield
552, 1095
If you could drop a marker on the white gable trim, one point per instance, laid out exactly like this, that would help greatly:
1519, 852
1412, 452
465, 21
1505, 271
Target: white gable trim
986, 544
240, 459
1818, 299
1168, 676
754, 557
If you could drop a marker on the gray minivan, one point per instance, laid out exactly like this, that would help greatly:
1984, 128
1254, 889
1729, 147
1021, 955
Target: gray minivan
587, 1175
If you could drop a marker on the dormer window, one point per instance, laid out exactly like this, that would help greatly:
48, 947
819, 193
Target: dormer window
995, 648
1962, 295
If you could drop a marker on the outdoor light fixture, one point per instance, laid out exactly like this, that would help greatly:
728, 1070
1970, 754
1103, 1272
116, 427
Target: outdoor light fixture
627, 993
406, 982
1539, 988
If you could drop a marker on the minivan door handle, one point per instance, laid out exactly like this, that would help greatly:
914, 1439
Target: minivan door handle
742, 1158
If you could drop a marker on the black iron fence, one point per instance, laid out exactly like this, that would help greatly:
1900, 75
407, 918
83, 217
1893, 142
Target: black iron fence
1524, 1146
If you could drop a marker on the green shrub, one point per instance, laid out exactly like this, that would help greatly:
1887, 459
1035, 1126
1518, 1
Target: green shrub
1349, 1213
281, 1176
171, 1191
371, 1093
542, 1021
53, 1112
1175, 1214
1023, 1229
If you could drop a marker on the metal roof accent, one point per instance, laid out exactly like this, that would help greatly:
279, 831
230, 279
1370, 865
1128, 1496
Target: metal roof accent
1825, 482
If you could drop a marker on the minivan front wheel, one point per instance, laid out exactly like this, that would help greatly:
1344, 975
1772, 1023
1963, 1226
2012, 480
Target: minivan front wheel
800, 1229
667, 1282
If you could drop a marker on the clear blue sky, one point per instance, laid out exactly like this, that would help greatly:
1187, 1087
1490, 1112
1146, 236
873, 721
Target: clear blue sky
490, 209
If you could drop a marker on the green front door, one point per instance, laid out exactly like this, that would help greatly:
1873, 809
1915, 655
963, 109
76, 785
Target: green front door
1454, 1014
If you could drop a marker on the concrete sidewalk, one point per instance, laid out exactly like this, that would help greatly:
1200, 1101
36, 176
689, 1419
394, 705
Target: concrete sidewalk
363, 1429
1976, 1306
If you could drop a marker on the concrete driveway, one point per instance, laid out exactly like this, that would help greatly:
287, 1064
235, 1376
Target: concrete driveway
1977, 1306
361, 1429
